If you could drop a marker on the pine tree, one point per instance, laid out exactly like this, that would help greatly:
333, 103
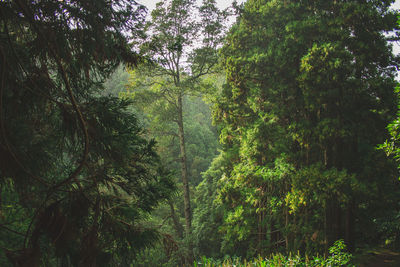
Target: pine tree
77, 177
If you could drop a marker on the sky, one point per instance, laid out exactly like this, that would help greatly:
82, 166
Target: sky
396, 4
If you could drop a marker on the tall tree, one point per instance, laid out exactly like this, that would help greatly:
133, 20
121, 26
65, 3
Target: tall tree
76, 175
200, 139
390, 228
310, 88
183, 49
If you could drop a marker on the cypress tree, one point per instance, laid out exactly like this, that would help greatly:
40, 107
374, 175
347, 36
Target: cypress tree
309, 92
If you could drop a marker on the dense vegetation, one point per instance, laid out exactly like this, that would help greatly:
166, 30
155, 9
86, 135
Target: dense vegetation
302, 115
108, 153
77, 175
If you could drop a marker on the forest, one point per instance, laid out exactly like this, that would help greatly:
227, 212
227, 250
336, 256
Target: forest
263, 134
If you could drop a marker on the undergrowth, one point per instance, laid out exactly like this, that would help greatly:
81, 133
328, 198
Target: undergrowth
337, 257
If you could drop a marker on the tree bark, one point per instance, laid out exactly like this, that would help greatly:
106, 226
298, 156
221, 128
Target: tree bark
185, 180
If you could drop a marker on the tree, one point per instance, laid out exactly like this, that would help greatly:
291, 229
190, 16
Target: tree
310, 88
76, 175
208, 214
182, 50
201, 142
390, 228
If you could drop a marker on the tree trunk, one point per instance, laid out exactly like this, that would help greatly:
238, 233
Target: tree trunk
185, 180
178, 227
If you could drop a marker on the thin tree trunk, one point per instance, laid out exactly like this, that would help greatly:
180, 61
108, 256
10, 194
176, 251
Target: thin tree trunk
185, 179
184, 173
178, 227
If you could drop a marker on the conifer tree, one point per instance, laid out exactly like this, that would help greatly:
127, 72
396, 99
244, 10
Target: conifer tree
310, 90
76, 175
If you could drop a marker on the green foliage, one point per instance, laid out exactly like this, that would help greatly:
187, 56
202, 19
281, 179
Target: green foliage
309, 92
77, 177
338, 257
159, 117
313, 187
208, 214
200, 139
116, 84
391, 146
389, 228
181, 51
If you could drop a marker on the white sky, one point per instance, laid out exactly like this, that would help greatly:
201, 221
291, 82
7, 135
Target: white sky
396, 4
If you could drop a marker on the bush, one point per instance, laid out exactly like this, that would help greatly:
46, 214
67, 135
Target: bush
337, 257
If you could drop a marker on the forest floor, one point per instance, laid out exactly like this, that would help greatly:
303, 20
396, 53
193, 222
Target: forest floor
379, 257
